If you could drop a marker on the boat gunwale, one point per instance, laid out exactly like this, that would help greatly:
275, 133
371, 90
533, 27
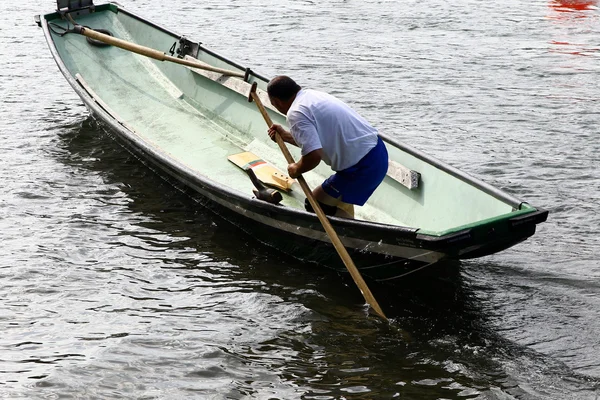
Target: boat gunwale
184, 173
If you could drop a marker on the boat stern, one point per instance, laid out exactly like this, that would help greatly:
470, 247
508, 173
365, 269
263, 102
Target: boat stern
488, 236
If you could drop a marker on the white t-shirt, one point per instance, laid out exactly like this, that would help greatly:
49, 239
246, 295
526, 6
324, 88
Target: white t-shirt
318, 120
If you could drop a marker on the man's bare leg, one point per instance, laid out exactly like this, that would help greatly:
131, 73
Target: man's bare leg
345, 210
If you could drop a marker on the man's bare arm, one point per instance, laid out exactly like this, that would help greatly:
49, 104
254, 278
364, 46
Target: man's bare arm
306, 163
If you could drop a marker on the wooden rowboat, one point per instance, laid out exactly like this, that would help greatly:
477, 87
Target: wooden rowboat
188, 123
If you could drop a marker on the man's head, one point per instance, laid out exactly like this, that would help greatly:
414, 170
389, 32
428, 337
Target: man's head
282, 91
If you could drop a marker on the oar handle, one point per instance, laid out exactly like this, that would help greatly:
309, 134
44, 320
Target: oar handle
149, 52
335, 240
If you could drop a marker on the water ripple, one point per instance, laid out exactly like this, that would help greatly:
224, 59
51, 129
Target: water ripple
115, 285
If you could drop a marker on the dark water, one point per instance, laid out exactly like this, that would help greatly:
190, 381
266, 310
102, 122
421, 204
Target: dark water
115, 285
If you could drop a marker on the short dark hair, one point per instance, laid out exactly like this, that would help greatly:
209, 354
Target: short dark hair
282, 87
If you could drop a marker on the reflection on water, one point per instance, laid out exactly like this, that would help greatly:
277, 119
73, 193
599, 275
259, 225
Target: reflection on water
571, 16
172, 291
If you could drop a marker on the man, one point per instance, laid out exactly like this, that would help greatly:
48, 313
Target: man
326, 129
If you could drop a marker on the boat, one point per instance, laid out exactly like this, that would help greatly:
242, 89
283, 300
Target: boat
187, 122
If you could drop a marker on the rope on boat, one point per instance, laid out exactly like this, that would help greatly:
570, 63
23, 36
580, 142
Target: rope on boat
96, 42
407, 273
62, 30
405, 261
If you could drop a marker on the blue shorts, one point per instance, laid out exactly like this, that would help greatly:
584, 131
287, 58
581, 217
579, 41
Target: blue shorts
357, 183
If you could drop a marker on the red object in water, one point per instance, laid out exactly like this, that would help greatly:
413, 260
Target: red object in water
573, 5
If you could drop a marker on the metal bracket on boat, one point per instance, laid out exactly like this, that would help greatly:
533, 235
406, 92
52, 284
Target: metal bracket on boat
75, 8
247, 75
403, 175
186, 48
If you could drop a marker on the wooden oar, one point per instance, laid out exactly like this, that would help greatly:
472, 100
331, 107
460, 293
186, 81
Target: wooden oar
337, 243
149, 52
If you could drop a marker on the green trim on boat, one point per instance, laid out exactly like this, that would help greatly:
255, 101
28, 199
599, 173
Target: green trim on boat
525, 209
